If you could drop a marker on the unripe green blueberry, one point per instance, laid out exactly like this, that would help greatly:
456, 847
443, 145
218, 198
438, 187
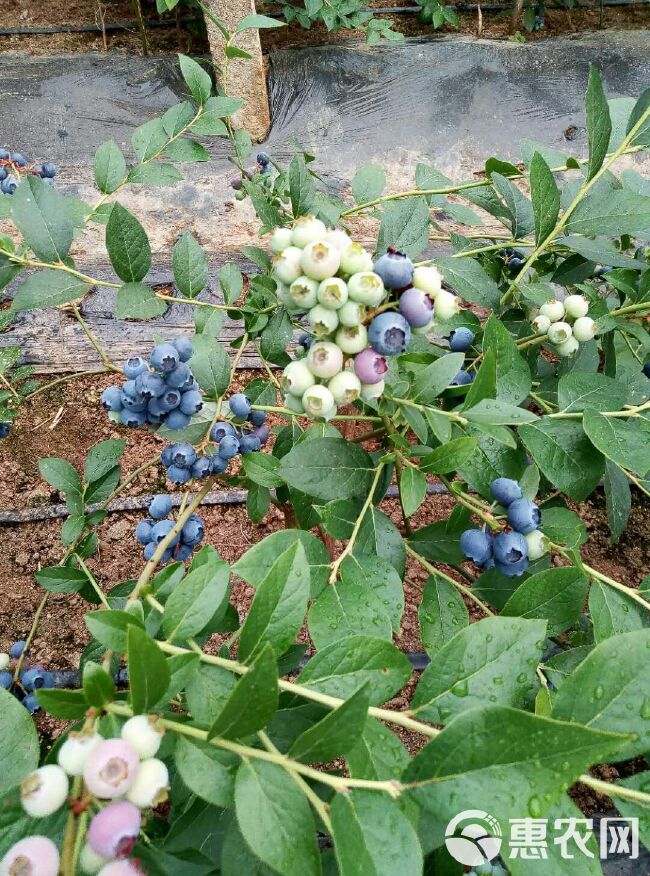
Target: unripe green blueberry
559, 332
121, 867
284, 297
541, 324
538, 544
355, 260
352, 339
423, 329
5, 660
322, 320
333, 293
576, 306
320, 260
352, 313
429, 279
114, 830
296, 378
324, 359
90, 862
367, 288
340, 238
144, 733
553, 309
304, 292
280, 239
584, 329
286, 265
446, 305
74, 751
151, 784
318, 401
293, 403
306, 229
31, 856
110, 769
44, 791
345, 387
371, 391
568, 348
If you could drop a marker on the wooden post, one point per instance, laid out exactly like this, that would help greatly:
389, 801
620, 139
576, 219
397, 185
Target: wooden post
246, 78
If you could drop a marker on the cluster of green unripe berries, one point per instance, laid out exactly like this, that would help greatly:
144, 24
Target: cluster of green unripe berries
359, 313
565, 323
121, 776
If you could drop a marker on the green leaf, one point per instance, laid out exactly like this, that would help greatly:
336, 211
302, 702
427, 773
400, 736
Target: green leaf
405, 225
109, 167
527, 771
47, 289
611, 213
127, 245
431, 380
231, 282
613, 612
195, 600
344, 666
186, 150
565, 455
110, 627
197, 79
275, 819
485, 382
189, 265
373, 836
625, 443
301, 186
521, 209
599, 123
149, 139
449, 457
60, 475
149, 674
642, 136
378, 575
512, 371
555, 595
258, 21
279, 607
97, 685
412, 489
102, 458
618, 498
368, 183
545, 197
68, 704
158, 174
336, 733
490, 658
177, 118
208, 692
579, 390
254, 565
442, 613
603, 251
138, 301
276, 337
261, 468
470, 280
610, 690
61, 579
347, 609
19, 747
252, 703
492, 412
41, 217
16, 825
210, 365
378, 754
207, 771
328, 468
378, 536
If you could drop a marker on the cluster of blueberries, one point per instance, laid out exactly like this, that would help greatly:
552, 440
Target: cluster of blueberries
460, 340
324, 274
263, 167
565, 323
162, 390
151, 531
124, 778
511, 551
31, 678
13, 164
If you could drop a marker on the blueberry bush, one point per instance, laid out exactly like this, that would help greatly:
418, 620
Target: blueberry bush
512, 370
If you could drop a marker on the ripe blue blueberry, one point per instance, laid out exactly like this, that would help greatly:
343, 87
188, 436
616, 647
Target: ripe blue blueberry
18, 159
134, 366
170, 399
177, 420
183, 455
150, 385
160, 506
133, 402
416, 307
463, 378
37, 678
249, 443
5, 428
240, 405
167, 456
184, 346
191, 402
477, 545
646, 369
31, 704
389, 334
263, 158
263, 433
161, 530
6, 680
4, 173
220, 430
513, 570
122, 676
257, 418
4, 154
17, 649
305, 339
48, 170
143, 531
524, 516
179, 376
509, 548
178, 475
505, 491
201, 468
9, 185
193, 531
165, 358
461, 339
218, 464
149, 550
228, 447
183, 552
394, 268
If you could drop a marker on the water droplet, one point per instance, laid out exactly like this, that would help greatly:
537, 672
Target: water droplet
645, 709
598, 692
497, 680
535, 807
522, 677
460, 689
